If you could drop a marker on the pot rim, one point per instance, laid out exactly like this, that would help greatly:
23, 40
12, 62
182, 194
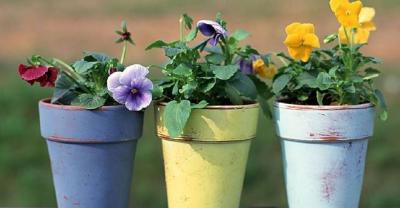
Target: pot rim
46, 103
219, 107
279, 104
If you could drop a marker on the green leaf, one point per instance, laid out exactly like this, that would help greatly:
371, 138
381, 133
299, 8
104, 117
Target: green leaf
240, 35
233, 94
265, 107
157, 92
156, 44
64, 91
176, 116
224, 72
182, 70
171, 52
215, 58
188, 21
209, 85
175, 89
306, 79
330, 38
371, 73
280, 83
89, 101
95, 56
244, 85
263, 89
324, 81
192, 35
382, 104
82, 66
320, 98
200, 105
350, 89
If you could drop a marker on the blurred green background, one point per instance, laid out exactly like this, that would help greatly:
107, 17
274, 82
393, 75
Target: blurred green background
66, 28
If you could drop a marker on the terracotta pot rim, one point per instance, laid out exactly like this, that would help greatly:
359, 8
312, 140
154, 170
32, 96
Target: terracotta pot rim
279, 104
46, 102
220, 107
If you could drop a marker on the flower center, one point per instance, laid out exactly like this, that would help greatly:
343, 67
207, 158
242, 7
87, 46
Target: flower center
134, 91
348, 12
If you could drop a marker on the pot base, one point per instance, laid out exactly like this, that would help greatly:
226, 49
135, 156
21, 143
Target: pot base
327, 175
203, 174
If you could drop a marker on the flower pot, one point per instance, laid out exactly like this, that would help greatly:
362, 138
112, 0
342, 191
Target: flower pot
324, 150
91, 153
205, 166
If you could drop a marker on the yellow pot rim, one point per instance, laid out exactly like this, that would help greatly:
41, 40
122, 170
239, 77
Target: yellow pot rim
221, 107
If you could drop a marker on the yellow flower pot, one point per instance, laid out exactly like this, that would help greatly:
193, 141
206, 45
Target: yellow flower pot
205, 166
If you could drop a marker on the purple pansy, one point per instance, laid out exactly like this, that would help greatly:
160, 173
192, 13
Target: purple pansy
211, 29
246, 64
131, 87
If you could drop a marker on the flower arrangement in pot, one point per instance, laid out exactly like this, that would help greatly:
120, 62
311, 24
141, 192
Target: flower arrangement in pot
207, 112
331, 94
91, 124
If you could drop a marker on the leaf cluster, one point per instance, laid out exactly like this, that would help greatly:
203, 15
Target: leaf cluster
341, 75
201, 75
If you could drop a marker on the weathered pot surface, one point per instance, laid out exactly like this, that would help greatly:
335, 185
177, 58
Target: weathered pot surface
205, 166
324, 150
91, 153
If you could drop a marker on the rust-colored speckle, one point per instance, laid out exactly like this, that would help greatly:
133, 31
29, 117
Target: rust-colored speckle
329, 181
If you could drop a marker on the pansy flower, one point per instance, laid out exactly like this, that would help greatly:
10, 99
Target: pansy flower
263, 70
362, 32
347, 13
211, 29
301, 40
131, 87
44, 75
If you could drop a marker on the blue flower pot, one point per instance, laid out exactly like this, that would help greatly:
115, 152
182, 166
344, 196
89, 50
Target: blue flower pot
91, 153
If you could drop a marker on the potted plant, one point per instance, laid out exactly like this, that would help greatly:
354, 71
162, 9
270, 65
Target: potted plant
325, 109
207, 113
91, 137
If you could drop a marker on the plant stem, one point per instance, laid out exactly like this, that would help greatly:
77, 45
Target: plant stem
181, 29
124, 49
67, 69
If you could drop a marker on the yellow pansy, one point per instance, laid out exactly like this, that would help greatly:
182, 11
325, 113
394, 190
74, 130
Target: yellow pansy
300, 40
264, 71
348, 13
362, 32
334, 4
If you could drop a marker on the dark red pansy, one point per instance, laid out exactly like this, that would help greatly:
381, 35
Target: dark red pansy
46, 76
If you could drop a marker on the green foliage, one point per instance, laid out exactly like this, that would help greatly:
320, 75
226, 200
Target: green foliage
205, 75
84, 83
338, 76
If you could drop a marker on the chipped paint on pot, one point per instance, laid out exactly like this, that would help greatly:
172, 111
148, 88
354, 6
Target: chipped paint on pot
205, 166
91, 153
324, 150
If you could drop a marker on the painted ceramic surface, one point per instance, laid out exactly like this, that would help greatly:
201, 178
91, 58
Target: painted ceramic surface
205, 167
324, 150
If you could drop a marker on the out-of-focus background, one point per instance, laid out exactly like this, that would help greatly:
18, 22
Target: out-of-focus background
66, 28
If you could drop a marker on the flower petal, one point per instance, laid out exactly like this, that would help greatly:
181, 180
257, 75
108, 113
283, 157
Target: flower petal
292, 28
311, 40
121, 93
136, 102
142, 85
246, 67
135, 71
205, 28
31, 73
113, 81
334, 4
293, 40
366, 14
